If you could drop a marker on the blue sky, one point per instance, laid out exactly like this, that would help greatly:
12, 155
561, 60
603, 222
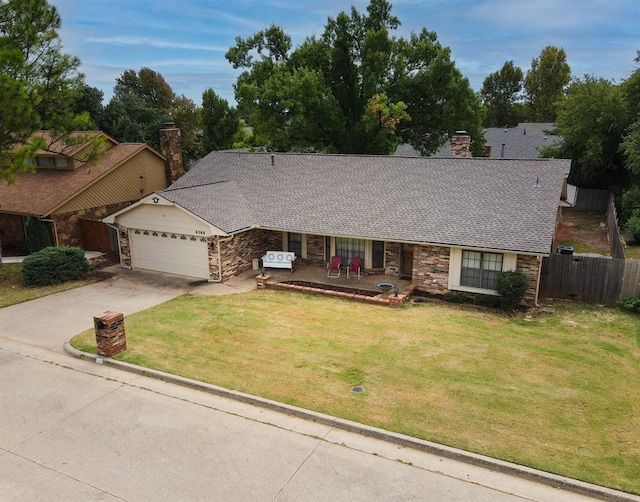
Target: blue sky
185, 40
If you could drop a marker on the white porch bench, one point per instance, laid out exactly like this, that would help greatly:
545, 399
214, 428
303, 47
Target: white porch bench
279, 259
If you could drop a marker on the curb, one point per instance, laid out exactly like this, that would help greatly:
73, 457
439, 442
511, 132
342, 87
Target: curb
552, 480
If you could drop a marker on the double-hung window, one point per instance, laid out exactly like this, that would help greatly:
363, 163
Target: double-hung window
294, 243
348, 248
480, 270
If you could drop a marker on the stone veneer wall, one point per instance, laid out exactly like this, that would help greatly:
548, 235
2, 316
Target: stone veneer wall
68, 224
529, 266
237, 253
431, 269
125, 247
315, 250
12, 231
392, 258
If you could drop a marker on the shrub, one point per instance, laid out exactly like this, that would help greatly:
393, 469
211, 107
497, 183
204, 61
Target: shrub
511, 286
53, 265
487, 301
38, 236
632, 304
455, 297
633, 226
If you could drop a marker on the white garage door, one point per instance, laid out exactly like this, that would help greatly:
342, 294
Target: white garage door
171, 253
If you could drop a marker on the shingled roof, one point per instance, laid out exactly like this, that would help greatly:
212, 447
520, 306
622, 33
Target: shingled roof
474, 202
41, 191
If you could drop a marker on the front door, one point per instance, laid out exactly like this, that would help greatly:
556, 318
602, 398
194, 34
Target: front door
406, 261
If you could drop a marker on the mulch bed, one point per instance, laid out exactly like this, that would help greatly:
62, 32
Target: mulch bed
331, 287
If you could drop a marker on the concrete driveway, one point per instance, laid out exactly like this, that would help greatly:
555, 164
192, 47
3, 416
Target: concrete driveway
51, 320
72, 429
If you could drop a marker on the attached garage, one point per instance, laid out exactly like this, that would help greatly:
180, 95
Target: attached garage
168, 252
164, 237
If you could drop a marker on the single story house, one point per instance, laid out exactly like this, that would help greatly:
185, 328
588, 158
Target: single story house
525, 141
448, 224
70, 195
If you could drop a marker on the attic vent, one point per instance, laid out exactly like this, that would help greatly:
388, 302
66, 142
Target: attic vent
273, 159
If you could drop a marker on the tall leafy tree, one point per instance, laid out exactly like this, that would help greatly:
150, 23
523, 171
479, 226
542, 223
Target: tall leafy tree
355, 89
592, 121
502, 96
38, 82
149, 95
146, 84
129, 118
220, 122
89, 100
545, 84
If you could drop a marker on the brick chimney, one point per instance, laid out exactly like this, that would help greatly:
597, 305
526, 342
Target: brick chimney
171, 150
461, 144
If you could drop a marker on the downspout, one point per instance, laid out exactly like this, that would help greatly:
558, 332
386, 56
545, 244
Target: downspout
55, 229
219, 279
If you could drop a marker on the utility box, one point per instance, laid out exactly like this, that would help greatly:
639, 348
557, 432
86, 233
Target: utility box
255, 264
110, 335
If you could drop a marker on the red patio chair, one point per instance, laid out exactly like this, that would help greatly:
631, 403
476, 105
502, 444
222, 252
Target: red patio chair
334, 266
355, 267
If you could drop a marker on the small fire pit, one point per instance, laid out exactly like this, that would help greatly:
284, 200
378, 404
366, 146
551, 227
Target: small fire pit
386, 286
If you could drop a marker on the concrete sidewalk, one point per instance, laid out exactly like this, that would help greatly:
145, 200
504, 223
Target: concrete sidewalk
86, 430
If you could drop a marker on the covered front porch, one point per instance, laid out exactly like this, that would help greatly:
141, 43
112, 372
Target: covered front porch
313, 279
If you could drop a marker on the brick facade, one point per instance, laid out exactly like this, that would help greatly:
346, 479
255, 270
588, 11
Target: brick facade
125, 247
237, 253
529, 266
431, 269
68, 224
392, 258
315, 250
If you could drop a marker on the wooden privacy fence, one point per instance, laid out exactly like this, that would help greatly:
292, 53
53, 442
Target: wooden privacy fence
589, 279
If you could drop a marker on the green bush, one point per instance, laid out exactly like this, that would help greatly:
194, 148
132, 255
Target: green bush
53, 265
511, 286
38, 236
632, 304
633, 226
487, 301
455, 297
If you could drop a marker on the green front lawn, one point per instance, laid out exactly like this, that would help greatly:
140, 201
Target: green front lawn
12, 289
558, 392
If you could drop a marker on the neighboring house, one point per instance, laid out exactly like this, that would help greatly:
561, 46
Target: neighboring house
70, 196
447, 224
522, 142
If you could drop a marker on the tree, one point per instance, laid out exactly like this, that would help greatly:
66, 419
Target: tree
355, 89
592, 121
147, 85
37, 82
151, 98
501, 94
187, 117
129, 118
89, 101
220, 122
545, 83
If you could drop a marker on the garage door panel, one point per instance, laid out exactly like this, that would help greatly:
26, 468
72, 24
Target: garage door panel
170, 253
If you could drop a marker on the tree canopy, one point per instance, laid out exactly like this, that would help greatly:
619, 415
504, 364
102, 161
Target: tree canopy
501, 94
545, 84
354, 89
38, 82
220, 122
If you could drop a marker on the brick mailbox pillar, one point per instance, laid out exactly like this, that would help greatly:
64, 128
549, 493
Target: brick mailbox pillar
110, 335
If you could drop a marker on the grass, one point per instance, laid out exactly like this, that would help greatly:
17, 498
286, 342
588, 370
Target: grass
12, 289
581, 247
557, 392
